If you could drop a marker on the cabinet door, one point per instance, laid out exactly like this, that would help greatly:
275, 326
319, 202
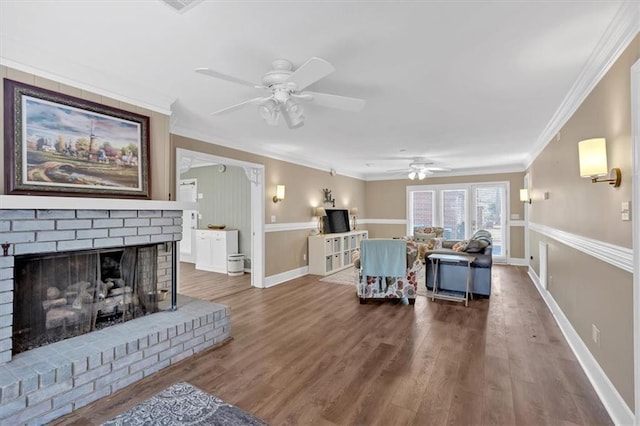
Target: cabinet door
203, 249
219, 252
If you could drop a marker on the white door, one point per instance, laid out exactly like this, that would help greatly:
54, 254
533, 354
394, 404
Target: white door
188, 192
453, 211
489, 213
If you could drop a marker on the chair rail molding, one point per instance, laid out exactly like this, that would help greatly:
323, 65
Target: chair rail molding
618, 256
383, 221
290, 226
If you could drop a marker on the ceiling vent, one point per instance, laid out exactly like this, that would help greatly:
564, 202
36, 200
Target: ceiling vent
181, 6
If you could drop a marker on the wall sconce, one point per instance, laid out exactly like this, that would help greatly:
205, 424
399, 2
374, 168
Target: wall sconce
327, 197
592, 154
524, 196
320, 213
354, 212
279, 194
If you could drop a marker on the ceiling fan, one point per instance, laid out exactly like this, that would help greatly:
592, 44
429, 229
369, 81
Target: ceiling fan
420, 169
286, 91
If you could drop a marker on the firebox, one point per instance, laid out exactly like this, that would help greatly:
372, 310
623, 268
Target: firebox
62, 295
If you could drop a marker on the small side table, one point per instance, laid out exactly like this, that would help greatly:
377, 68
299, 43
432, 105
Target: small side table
436, 258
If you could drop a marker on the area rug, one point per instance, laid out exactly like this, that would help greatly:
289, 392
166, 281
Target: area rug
184, 404
345, 277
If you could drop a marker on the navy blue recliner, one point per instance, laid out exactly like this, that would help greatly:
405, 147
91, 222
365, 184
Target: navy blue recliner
453, 276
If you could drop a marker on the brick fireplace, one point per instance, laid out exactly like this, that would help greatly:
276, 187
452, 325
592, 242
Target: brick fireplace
42, 384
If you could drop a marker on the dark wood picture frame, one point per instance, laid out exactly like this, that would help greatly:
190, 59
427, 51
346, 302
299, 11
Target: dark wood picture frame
57, 144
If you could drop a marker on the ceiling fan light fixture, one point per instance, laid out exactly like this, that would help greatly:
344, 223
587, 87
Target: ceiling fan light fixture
269, 111
293, 114
421, 175
286, 86
412, 175
293, 108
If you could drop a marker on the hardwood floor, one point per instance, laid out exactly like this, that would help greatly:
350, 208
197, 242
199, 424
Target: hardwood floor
307, 353
210, 285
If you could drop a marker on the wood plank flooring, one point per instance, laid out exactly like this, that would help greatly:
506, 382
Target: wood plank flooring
210, 285
307, 353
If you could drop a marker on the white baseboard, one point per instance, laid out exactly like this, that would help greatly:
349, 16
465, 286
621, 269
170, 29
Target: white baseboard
187, 258
272, 280
517, 261
615, 405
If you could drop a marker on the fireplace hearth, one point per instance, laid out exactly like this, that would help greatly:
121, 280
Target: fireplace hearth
44, 383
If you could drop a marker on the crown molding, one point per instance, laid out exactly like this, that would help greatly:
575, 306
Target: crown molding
84, 78
509, 168
620, 32
191, 133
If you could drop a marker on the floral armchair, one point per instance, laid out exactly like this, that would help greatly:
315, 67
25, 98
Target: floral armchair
402, 286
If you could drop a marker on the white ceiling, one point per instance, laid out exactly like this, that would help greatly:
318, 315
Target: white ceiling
471, 85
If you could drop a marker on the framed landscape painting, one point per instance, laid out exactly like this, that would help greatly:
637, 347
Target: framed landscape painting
61, 145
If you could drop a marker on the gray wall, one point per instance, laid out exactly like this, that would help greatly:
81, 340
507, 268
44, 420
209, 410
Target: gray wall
226, 201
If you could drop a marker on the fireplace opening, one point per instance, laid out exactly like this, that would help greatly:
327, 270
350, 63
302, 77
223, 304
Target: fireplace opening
62, 295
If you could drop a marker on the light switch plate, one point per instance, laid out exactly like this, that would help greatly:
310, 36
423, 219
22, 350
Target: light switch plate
625, 210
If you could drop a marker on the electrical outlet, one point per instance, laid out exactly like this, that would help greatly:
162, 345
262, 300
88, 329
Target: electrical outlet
304, 256
595, 334
273, 219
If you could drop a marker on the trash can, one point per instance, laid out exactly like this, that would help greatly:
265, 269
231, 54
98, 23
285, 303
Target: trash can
235, 264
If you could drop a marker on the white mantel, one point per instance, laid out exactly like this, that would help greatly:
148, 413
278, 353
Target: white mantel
75, 203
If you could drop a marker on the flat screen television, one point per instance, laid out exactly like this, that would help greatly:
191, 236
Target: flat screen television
336, 221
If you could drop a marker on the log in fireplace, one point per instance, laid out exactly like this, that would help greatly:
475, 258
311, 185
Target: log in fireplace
63, 295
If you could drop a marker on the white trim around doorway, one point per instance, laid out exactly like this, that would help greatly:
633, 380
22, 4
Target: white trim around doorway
635, 152
257, 205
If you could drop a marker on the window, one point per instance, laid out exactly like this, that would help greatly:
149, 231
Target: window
422, 203
454, 213
461, 209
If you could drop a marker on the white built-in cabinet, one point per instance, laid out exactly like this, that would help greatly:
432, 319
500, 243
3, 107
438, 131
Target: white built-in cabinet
213, 248
330, 253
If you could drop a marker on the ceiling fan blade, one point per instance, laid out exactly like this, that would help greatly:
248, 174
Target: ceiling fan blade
335, 101
216, 74
239, 106
310, 72
438, 169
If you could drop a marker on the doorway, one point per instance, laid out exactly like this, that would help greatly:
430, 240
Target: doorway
255, 174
